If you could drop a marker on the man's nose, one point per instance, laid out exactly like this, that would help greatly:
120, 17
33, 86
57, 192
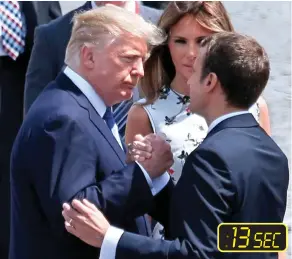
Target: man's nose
192, 52
139, 68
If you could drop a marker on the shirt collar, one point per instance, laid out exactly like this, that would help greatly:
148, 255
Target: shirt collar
224, 117
87, 90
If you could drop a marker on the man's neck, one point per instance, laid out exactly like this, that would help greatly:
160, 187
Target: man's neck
212, 115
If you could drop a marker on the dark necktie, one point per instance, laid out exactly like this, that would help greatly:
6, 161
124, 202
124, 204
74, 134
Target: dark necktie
109, 118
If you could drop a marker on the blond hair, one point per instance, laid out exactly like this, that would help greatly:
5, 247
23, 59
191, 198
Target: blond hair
102, 25
159, 68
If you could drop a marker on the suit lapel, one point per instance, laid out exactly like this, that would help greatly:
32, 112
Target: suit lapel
240, 121
96, 120
105, 131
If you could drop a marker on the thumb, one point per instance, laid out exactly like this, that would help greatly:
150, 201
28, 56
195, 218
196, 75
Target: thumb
138, 137
151, 136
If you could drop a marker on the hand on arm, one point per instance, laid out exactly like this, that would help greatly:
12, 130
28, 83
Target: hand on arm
207, 182
69, 173
85, 221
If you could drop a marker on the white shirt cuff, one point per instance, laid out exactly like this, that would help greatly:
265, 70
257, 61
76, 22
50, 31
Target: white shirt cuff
110, 242
157, 184
160, 182
148, 178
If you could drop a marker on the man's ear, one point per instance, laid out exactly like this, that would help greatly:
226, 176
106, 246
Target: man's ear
211, 81
87, 56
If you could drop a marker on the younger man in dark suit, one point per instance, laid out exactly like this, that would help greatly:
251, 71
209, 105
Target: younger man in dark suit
237, 174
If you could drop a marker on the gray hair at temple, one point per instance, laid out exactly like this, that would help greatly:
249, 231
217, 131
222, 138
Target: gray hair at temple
101, 26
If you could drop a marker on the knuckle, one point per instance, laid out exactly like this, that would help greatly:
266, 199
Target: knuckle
87, 214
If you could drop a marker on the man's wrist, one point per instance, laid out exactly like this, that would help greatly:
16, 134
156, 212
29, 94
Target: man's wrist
160, 182
110, 242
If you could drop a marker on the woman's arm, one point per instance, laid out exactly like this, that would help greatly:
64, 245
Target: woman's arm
264, 119
137, 123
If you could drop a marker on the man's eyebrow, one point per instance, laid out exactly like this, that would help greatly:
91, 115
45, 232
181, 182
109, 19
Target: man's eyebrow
179, 37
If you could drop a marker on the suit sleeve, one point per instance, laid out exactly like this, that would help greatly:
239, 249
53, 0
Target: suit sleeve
160, 205
201, 201
67, 167
41, 68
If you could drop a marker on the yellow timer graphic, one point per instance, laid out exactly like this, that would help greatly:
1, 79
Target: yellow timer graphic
252, 237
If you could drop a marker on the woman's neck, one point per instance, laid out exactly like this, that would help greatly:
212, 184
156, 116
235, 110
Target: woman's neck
180, 85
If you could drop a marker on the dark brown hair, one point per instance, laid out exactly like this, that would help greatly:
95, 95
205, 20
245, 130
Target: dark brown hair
241, 65
159, 68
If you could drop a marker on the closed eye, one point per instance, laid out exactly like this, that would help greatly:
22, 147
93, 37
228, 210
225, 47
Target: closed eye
134, 58
130, 58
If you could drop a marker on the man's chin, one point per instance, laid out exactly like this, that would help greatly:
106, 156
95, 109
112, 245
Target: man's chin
126, 95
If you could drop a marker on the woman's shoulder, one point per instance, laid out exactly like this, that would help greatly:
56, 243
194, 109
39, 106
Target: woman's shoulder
258, 108
141, 101
137, 113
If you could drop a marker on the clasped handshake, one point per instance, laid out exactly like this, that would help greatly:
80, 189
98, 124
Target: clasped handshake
152, 152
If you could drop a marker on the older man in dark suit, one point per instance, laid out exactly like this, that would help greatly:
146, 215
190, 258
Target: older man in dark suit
69, 147
48, 53
17, 23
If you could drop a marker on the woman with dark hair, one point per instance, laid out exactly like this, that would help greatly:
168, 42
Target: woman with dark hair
165, 107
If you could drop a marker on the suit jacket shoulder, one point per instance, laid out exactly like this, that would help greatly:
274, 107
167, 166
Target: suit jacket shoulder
257, 166
59, 30
243, 138
37, 13
47, 11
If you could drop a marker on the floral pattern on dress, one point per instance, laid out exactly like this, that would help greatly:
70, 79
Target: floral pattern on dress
170, 114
